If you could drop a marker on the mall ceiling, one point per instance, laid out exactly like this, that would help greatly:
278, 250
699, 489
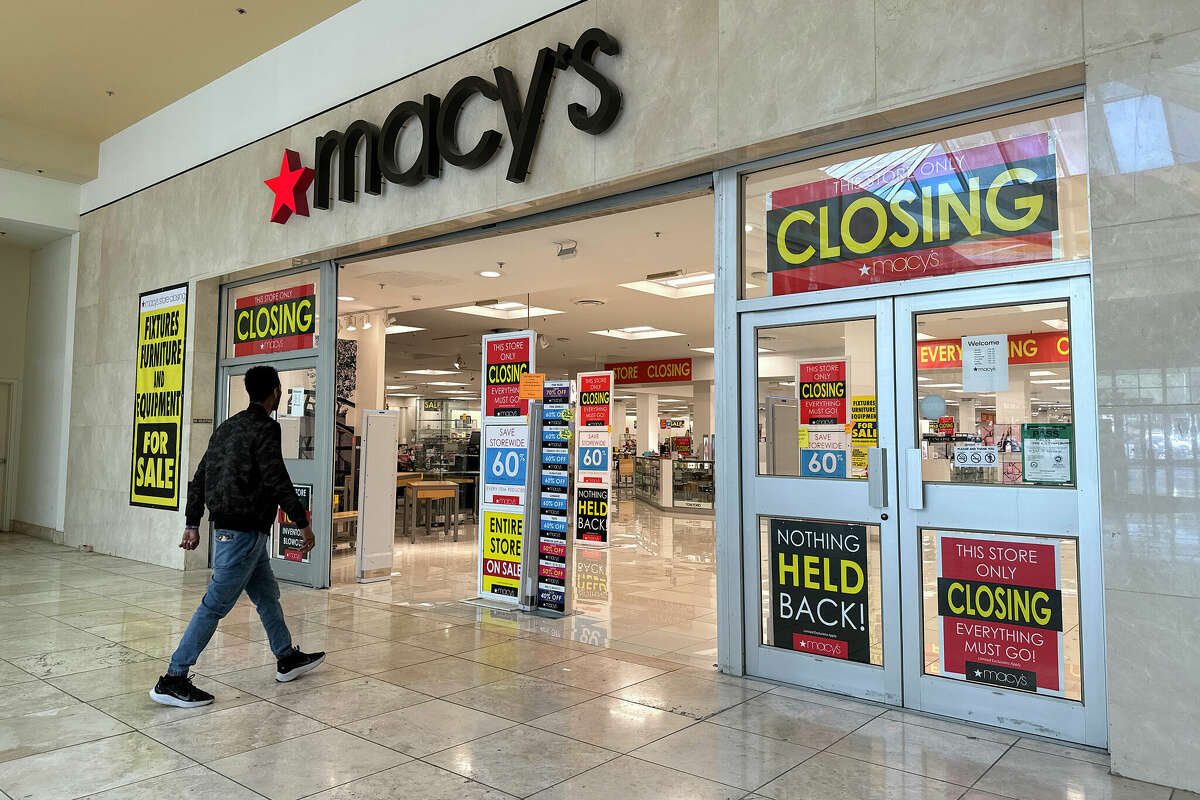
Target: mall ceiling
419, 288
78, 71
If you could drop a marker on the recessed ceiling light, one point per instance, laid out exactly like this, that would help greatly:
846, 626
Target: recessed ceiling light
445, 383
402, 329
504, 310
636, 332
403, 394
489, 273
400, 386
1053, 380
1038, 373
454, 391
345, 298
1057, 324
922, 336
430, 372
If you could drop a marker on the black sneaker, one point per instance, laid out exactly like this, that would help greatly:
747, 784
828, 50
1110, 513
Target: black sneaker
177, 690
293, 666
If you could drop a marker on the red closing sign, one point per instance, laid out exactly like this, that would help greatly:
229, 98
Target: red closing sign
1000, 611
1048, 347
505, 359
275, 322
595, 399
664, 371
821, 386
915, 213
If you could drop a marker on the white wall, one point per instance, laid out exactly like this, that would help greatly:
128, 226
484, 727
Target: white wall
39, 201
14, 297
46, 386
370, 44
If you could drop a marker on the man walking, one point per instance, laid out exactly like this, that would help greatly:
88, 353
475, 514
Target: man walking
242, 480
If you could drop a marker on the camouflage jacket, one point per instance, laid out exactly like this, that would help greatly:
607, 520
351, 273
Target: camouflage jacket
242, 478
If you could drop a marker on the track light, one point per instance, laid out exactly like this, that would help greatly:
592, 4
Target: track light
458, 361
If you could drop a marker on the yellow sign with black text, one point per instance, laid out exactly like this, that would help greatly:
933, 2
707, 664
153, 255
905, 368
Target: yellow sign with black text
158, 398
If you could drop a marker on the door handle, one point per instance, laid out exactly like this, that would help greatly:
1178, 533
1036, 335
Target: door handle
877, 477
912, 474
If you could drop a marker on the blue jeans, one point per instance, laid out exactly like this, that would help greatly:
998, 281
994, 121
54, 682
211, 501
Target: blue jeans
240, 562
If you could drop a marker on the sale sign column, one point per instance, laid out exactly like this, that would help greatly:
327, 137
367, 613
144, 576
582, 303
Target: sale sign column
503, 464
1000, 611
593, 451
553, 516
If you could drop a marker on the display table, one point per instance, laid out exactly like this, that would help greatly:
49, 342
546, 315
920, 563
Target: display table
684, 485
416, 491
345, 524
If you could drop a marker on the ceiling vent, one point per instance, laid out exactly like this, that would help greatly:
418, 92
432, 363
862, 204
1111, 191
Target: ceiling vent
590, 301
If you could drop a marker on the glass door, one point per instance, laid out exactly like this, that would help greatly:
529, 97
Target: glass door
298, 422
999, 528
817, 446
275, 321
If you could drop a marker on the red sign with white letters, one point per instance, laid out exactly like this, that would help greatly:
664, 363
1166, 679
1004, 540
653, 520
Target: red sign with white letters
1000, 611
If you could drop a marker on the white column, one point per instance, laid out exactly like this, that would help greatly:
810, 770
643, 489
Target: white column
702, 409
966, 416
618, 421
369, 369
647, 422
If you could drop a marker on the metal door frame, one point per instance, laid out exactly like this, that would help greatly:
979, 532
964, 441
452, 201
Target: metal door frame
783, 496
322, 358
1058, 512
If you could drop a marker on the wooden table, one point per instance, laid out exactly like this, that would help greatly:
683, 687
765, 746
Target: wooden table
467, 493
430, 491
344, 520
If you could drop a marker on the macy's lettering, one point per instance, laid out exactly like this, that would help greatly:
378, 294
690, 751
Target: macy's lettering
437, 118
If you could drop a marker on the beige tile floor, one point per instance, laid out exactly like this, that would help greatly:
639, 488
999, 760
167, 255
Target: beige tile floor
424, 697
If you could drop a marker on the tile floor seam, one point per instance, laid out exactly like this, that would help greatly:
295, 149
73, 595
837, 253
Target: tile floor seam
710, 780
616, 755
991, 766
194, 763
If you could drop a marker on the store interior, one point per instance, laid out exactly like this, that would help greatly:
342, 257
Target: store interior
614, 288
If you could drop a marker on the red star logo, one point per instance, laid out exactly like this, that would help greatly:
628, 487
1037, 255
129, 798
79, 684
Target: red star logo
290, 187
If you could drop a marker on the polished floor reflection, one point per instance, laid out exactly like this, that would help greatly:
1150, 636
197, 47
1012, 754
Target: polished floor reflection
651, 592
427, 698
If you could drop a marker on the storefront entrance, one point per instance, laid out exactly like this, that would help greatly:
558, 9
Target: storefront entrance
923, 489
276, 320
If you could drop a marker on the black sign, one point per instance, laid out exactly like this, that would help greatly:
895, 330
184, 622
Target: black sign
819, 588
1028, 606
291, 541
1009, 677
437, 119
591, 513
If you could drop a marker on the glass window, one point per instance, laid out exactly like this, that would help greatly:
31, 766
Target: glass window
816, 399
1003, 192
821, 591
297, 409
993, 395
277, 315
1002, 610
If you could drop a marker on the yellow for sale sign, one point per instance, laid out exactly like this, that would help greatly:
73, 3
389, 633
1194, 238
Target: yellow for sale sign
158, 398
502, 552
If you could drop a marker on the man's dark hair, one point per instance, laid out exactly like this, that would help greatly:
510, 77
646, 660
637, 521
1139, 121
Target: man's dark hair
260, 382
